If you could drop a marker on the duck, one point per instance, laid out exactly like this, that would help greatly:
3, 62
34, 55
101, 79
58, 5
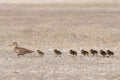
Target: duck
20, 50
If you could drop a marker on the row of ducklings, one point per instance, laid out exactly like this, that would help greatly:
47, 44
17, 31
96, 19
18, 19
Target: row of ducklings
107, 53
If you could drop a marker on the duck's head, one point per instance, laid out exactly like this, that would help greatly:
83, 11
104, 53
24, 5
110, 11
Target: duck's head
15, 44
38, 51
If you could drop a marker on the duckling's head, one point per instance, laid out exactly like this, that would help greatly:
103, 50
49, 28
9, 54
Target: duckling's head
15, 44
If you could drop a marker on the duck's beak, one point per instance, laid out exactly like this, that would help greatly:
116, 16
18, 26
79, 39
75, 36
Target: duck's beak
10, 45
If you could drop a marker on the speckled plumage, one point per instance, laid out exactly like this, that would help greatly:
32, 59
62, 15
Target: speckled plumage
20, 50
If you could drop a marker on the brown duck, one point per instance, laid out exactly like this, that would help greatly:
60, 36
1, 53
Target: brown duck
20, 50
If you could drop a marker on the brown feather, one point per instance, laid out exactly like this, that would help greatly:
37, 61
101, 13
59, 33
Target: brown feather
21, 50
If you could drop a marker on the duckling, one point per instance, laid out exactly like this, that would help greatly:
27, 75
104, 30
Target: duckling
40, 53
72, 52
85, 53
57, 52
110, 53
20, 50
103, 53
94, 52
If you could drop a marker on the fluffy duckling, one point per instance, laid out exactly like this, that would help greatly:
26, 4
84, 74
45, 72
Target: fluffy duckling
40, 53
103, 53
85, 53
110, 53
72, 52
57, 52
94, 52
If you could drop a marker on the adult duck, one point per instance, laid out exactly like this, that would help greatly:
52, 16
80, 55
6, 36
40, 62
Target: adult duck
20, 50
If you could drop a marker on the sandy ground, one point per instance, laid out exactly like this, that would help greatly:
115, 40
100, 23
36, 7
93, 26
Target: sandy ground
63, 27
